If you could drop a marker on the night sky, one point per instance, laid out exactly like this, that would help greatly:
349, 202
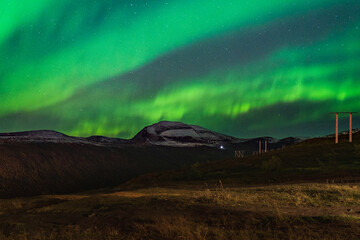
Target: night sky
245, 68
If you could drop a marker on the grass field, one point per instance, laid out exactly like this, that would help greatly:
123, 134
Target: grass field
294, 211
313, 160
307, 191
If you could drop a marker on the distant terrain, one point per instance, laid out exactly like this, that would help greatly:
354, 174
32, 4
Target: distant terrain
307, 190
311, 160
45, 162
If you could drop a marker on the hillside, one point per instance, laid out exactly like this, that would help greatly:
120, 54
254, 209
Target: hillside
317, 159
309, 190
179, 134
38, 168
38, 162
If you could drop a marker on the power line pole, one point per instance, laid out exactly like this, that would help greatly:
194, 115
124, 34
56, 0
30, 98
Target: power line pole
337, 125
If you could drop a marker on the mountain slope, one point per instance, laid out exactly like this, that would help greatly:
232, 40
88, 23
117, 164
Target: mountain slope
37, 162
180, 134
316, 159
28, 168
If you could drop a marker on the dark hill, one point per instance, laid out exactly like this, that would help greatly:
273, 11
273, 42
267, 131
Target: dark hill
180, 134
317, 159
45, 134
38, 168
42, 162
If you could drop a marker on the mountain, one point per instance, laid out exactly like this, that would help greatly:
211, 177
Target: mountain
164, 133
56, 137
313, 160
43, 162
179, 134
354, 131
43, 134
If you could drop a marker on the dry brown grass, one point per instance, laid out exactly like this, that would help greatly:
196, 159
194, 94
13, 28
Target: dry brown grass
304, 195
297, 211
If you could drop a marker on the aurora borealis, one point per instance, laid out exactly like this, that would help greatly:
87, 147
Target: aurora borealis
244, 68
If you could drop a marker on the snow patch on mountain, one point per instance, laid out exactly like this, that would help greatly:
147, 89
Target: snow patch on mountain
49, 136
180, 134
34, 134
164, 133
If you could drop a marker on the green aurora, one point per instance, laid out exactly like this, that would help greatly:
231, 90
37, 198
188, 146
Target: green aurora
241, 67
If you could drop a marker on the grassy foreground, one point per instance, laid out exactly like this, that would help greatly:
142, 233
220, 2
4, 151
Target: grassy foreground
310, 190
296, 211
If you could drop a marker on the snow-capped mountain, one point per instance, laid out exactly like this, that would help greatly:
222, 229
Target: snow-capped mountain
165, 133
180, 134
56, 137
36, 136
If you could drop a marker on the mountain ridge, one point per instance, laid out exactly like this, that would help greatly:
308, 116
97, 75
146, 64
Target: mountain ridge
46, 162
163, 133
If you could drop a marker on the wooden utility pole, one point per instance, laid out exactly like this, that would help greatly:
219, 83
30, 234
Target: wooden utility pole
350, 131
337, 129
337, 125
265, 145
259, 147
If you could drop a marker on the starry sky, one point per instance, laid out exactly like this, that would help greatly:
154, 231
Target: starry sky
242, 67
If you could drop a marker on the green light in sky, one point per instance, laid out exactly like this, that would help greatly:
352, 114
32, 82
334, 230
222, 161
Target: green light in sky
55, 56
